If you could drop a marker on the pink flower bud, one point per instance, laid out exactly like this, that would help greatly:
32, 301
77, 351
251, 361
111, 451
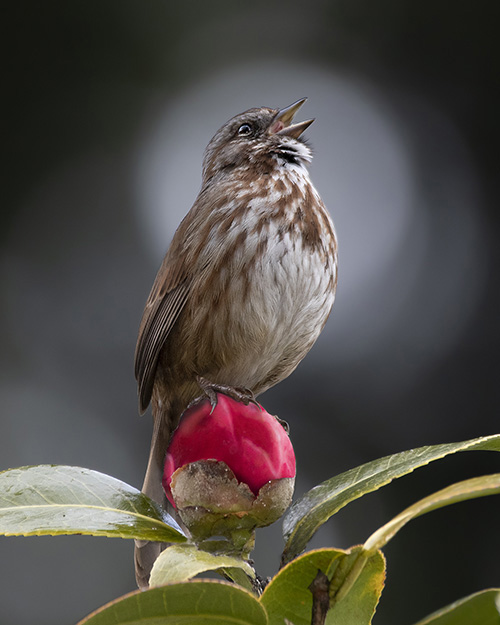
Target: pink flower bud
229, 471
250, 441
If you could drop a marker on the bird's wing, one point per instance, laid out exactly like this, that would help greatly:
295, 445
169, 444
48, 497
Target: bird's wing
165, 302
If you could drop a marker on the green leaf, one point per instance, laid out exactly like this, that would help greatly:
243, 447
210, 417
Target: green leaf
287, 596
310, 512
461, 491
240, 577
482, 608
52, 499
179, 563
191, 603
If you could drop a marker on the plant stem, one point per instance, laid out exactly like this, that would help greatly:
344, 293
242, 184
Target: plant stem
319, 588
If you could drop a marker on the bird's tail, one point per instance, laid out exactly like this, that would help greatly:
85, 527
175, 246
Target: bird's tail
146, 551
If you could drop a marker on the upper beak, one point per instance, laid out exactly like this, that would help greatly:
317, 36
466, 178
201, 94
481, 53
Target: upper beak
281, 122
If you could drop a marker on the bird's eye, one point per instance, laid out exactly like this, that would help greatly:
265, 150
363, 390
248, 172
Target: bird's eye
245, 129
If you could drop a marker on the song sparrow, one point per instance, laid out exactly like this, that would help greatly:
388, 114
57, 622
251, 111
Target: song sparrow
246, 285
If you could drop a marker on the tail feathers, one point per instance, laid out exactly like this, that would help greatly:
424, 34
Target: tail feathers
146, 552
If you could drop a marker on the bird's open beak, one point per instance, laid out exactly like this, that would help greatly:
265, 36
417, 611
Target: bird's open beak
281, 122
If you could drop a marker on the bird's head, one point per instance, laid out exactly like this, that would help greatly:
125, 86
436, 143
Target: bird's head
261, 138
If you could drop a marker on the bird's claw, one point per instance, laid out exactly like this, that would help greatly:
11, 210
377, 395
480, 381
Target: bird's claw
284, 424
238, 393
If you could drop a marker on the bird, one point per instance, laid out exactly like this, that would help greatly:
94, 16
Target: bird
245, 287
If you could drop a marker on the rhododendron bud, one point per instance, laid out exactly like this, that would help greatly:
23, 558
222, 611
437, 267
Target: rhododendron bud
229, 469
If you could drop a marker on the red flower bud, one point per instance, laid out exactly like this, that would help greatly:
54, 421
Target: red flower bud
228, 471
250, 441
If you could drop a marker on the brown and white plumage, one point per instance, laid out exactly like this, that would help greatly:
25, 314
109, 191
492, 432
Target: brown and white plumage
246, 285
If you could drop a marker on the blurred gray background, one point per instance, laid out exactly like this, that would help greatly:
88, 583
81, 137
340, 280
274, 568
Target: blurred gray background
107, 108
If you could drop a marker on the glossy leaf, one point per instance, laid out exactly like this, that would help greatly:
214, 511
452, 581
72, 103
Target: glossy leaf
179, 563
191, 603
482, 608
310, 512
55, 499
461, 491
288, 596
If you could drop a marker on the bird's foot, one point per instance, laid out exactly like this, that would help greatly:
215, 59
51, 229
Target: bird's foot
284, 424
238, 393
